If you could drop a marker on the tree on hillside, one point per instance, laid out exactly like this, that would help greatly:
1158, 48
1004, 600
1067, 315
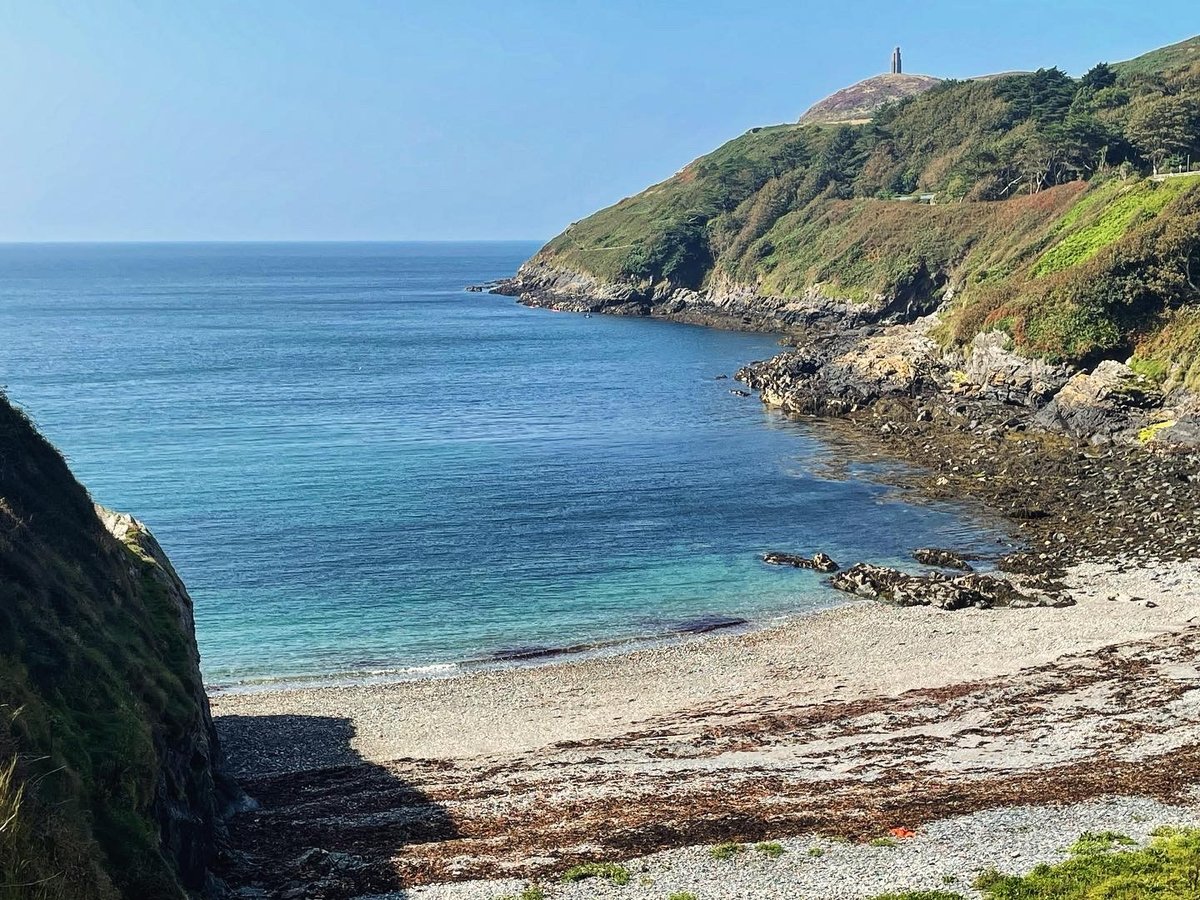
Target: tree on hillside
1162, 127
1045, 96
1099, 77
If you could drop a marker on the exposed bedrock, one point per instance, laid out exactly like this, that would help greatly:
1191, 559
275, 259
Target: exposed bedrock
934, 589
902, 372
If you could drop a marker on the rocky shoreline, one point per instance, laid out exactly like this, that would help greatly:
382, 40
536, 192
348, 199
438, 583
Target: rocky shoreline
1081, 462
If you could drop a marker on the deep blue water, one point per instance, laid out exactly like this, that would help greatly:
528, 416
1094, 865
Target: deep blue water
358, 467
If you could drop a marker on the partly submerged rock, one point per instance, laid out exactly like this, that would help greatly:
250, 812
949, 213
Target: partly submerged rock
819, 562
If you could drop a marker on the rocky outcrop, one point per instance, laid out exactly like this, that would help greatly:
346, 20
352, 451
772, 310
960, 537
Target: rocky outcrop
993, 371
850, 372
542, 282
538, 283
902, 589
193, 796
1102, 406
899, 372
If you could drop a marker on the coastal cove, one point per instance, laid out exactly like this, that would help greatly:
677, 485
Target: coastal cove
364, 472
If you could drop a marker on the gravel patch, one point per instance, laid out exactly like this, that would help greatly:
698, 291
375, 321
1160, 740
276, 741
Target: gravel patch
944, 855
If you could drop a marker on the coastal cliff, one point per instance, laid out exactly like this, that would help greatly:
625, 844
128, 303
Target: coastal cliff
110, 777
1018, 235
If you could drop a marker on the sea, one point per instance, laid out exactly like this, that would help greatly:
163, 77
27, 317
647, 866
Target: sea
363, 471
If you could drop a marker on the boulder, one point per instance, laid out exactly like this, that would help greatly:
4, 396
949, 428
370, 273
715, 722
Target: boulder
943, 559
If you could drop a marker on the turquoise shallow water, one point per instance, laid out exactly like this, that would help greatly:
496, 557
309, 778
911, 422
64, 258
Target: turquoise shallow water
360, 468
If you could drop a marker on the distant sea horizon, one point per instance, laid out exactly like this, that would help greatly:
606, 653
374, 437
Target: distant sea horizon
363, 471
525, 242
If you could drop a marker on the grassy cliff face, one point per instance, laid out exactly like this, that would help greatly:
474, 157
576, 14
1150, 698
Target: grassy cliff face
1045, 222
107, 780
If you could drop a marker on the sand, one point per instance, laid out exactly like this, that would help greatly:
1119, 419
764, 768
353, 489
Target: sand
844, 723
863, 649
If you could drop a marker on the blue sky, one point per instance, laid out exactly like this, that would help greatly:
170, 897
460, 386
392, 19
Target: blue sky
360, 120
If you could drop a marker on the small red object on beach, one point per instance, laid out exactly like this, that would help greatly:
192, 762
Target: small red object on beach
902, 833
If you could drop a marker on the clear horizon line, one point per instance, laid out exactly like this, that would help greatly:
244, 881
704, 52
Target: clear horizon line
278, 241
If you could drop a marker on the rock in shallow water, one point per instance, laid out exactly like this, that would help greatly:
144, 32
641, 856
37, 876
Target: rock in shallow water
819, 562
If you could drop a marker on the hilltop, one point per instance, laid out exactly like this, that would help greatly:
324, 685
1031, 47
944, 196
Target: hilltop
857, 103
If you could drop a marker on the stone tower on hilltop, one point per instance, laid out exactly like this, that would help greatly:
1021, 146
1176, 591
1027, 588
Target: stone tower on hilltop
897, 68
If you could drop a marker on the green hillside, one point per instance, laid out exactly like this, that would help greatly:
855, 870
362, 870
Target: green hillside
1176, 56
1045, 222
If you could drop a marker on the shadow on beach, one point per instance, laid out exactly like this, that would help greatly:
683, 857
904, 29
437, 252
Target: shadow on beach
326, 822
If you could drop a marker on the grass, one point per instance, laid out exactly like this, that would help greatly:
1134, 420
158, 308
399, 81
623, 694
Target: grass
1100, 866
1099, 842
728, 850
1163, 59
613, 872
532, 892
1104, 216
816, 852
683, 895
1106, 866
882, 842
770, 849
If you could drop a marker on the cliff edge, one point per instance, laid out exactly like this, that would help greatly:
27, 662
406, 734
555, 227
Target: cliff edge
111, 782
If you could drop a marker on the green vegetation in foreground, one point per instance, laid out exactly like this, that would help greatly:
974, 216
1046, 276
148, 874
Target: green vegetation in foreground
1107, 866
532, 892
683, 895
728, 850
1046, 223
770, 849
613, 872
1100, 866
